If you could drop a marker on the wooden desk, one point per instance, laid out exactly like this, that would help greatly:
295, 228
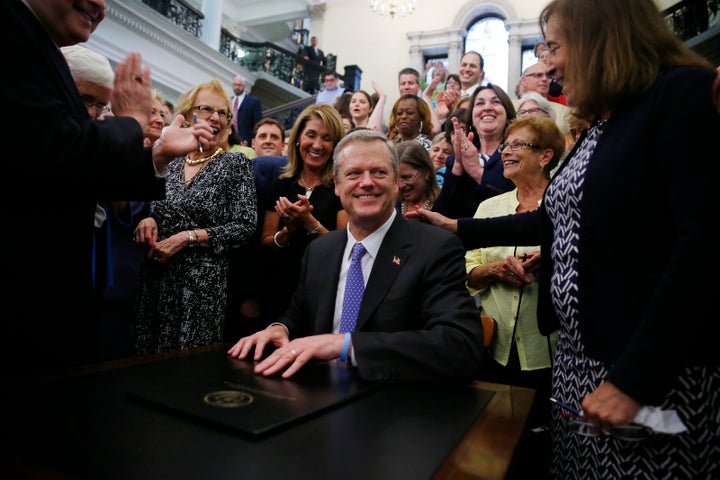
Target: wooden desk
486, 450
81, 426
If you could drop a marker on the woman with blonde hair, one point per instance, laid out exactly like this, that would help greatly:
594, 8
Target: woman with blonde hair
209, 210
303, 204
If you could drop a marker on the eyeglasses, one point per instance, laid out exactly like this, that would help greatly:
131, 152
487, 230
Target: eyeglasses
99, 107
629, 433
530, 111
405, 179
206, 111
537, 75
516, 146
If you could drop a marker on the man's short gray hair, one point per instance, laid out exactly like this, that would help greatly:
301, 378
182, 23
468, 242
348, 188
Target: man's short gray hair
364, 135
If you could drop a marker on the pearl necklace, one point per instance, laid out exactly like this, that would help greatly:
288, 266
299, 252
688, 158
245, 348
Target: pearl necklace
203, 160
308, 190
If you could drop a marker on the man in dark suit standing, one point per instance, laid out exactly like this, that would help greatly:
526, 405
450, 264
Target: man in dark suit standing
312, 75
246, 111
416, 319
68, 163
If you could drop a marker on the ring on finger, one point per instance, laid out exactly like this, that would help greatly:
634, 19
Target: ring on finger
293, 352
136, 78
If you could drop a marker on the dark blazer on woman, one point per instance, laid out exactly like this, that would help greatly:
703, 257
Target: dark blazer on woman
646, 259
63, 163
417, 320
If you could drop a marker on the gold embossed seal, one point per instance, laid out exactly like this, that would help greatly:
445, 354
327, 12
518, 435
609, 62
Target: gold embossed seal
228, 399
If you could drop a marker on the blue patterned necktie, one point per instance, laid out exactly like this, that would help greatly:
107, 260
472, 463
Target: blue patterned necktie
354, 290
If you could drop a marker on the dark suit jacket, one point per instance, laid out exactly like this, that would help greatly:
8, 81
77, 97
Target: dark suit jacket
645, 254
248, 114
64, 163
417, 320
318, 57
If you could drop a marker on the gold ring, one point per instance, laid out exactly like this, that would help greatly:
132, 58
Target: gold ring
135, 78
293, 352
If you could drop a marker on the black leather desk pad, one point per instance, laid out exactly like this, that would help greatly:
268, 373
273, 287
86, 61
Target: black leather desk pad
226, 393
86, 428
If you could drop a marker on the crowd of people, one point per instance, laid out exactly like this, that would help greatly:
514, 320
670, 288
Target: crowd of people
575, 218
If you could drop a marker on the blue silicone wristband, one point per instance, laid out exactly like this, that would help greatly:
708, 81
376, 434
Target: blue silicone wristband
346, 347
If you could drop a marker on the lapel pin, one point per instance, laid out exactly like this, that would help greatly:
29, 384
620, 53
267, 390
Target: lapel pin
396, 260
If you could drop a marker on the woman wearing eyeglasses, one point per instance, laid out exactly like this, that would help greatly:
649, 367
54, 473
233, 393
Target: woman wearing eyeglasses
209, 210
520, 354
534, 105
624, 227
417, 182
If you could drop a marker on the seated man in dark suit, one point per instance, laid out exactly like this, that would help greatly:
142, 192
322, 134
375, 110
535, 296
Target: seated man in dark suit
416, 320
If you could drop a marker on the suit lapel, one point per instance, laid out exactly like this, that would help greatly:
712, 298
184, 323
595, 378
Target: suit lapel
328, 294
391, 258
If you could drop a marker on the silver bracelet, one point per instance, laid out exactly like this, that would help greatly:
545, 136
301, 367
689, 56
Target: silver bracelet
275, 240
315, 231
191, 243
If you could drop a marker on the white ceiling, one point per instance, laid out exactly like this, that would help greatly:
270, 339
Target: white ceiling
262, 20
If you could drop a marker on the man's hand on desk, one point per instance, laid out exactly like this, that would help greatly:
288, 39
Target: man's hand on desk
288, 357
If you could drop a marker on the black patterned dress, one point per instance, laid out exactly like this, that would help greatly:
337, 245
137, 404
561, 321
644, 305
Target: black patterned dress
575, 375
181, 303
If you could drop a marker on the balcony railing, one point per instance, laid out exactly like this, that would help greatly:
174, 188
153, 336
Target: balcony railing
257, 57
690, 18
180, 13
273, 60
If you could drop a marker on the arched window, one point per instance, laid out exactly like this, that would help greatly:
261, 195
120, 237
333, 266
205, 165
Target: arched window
488, 36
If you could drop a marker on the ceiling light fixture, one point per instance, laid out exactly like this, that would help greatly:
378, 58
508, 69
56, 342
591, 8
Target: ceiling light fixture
403, 7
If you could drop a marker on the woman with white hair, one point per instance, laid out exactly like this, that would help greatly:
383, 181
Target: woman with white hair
93, 77
532, 104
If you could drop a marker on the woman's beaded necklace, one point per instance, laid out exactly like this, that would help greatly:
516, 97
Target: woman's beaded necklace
185, 182
203, 160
